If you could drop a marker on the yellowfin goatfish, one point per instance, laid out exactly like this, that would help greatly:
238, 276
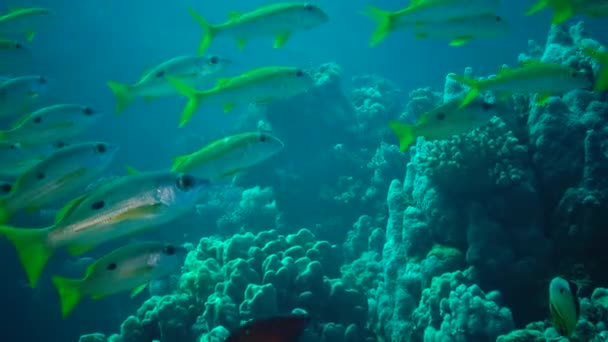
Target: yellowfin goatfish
277, 20
196, 71
262, 85
601, 82
463, 30
566, 9
443, 122
51, 124
22, 21
124, 207
564, 305
426, 12
127, 268
543, 79
63, 173
19, 94
229, 155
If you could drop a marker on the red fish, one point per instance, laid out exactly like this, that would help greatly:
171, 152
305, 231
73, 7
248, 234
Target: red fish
275, 329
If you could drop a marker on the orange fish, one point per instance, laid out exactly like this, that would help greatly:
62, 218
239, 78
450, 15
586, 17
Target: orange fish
275, 329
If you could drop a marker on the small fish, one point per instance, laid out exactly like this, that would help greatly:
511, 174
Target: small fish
52, 123
127, 268
66, 171
566, 9
544, 79
229, 155
22, 21
426, 12
127, 206
443, 122
262, 85
19, 94
276, 329
278, 20
194, 71
564, 305
463, 30
601, 83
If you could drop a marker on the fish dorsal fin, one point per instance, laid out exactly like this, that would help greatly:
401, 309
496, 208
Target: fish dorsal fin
89, 270
131, 170
20, 121
137, 290
233, 15
69, 208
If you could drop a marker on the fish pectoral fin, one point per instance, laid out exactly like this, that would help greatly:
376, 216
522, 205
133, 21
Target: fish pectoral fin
76, 250
542, 99
131, 170
228, 107
30, 36
69, 177
139, 212
241, 42
460, 41
138, 289
281, 39
69, 208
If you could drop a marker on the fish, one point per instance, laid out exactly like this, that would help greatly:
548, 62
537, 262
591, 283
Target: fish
229, 155
195, 71
19, 94
130, 267
279, 20
260, 86
464, 29
22, 21
544, 79
426, 12
16, 158
124, 207
13, 48
285, 328
66, 171
444, 121
566, 9
52, 123
601, 82
564, 305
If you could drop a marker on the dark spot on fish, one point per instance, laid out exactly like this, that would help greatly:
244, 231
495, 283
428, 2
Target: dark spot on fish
160, 73
40, 175
112, 266
562, 291
299, 73
98, 205
169, 250
308, 7
5, 187
13, 146
263, 137
486, 106
38, 119
18, 46
214, 60
498, 18
100, 148
59, 144
88, 111
575, 74
42, 80
440, 116
185, 182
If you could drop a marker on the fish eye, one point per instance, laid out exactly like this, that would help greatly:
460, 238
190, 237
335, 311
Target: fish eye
5, 187
308, 7
40, 175
185, 182
42, 80
160, 73
214, 60
440, 116
263, 137
38, 119
59, 144
88, 111
498, 18
299, 73
169, 250
111, 266
98, 205
100, 148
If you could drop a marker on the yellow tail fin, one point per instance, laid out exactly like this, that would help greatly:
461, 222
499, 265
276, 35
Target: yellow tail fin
194, 99
384, 21
32, 249
601, 83
70, 293
405, 133
473, 92
537, 7
208, 31
123, 95
562, 11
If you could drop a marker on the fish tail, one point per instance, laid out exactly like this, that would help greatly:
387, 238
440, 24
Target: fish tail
384, 23
194, 99
208, 31
405, 133
123, 95
601, 83
32, 249
473, 91
70, 293
562, 11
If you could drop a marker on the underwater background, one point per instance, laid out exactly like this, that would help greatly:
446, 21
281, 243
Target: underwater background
492, 216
